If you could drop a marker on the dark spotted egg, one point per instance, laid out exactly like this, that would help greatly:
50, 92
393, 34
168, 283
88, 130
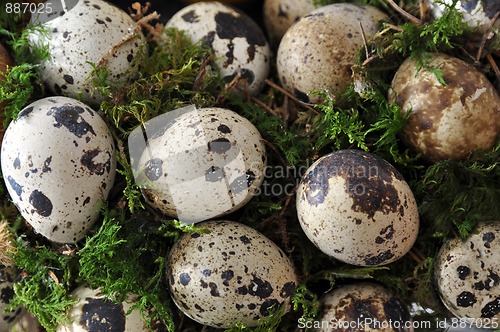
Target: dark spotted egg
8, 276
58, 163
95, 313
357, 208
467, 274
360, 307
446, 117
202, 164
231, 274
318, 51
240, 47
91, 32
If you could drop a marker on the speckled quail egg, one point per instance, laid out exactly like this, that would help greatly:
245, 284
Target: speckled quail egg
200, 164
363, 307
94, 313
279, 15
58, 162
478, 14
446, 119
231, 274
8, 275
467, 274
240, 47
93, 31
357, 208
318, 51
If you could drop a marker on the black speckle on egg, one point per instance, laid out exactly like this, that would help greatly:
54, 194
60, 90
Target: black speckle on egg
260, 288
224, 129
41, 203
154, 169
102, 315
46, 165
230, 27
219, 145
69, 79
379, 259
184, 279
190, 17
245, 239
6, 294
227, 276
18, 189
25, 112
488, 238
130, 57
98, 168
269, 305
302, 96
213, 289
491, 308
214, 174
463, 272
69, 117
466, 299
288, 289
99, 21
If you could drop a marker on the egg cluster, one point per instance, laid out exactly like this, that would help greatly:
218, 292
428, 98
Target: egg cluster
199, 167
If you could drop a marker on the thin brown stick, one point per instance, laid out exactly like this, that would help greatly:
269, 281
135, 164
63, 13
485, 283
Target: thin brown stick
291, 96
264, 106
365, 43
404, 13
493, 65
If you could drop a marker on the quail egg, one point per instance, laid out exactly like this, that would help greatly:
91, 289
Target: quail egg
230, 274
8, 275
94, 312
91, 32
240, 47
200, 164
58, 162
446, 118
279, 15
357, 208
318, 51
363, 307
477, 14
467, 274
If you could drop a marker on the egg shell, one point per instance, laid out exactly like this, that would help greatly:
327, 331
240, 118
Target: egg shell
467, 273
231, 274
279, 15
205, 163
58, 162
93, 31
360, 307
239, 45
318, 51
8, 276
445, 119
94, 312
357, 208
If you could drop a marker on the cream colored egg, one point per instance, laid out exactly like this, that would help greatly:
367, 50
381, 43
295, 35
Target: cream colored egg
467, 274
318, 51
357, 208
58, 163
230, 274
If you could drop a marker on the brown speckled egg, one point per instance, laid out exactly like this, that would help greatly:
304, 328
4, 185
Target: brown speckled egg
8, 276
447, 121
58, 162
230, 274
279, 15
92, 31
357, 208
363, 307
201, 164
94, 312
467, 274
318, 51
240, 47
